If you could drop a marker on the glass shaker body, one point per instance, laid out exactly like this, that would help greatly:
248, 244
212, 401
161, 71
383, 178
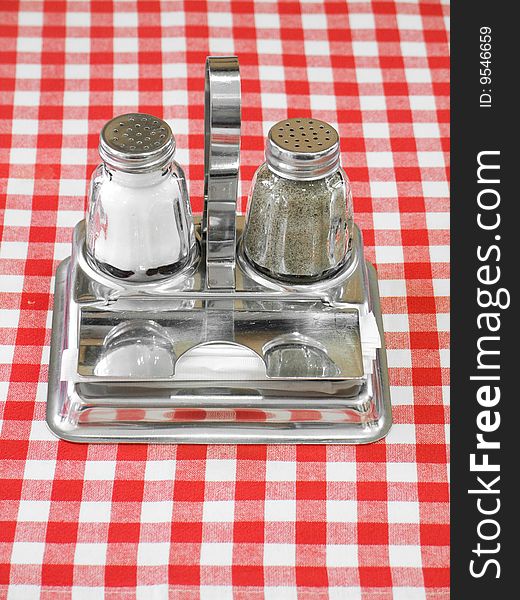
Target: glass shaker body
139, 221
298, 230
299, 215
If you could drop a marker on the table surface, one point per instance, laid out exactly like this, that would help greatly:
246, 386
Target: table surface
219, 522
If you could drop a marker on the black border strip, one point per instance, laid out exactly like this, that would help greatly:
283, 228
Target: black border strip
488, 129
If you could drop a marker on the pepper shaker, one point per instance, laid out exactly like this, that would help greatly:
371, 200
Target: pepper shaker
139, 222
299, 215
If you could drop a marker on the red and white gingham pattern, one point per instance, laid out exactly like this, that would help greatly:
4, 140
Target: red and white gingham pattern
280, 522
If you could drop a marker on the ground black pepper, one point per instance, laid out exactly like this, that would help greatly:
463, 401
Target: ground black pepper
298, 229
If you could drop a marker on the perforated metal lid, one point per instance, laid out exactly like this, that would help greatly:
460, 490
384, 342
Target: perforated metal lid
302, 149
137, 143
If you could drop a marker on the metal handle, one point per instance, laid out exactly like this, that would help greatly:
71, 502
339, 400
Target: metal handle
221, 166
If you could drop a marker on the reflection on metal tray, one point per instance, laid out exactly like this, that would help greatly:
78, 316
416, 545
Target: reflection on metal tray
119, 372
331, 332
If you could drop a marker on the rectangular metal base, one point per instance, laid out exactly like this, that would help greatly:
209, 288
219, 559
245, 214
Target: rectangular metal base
87, 404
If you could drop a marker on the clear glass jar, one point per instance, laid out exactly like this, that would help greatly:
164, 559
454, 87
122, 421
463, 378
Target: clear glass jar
139, 221
299, 216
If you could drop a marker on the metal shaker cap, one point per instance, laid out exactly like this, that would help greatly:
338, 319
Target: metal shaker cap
137, 143
302, 149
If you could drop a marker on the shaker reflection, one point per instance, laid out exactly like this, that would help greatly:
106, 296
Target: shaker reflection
138, 349
296, 355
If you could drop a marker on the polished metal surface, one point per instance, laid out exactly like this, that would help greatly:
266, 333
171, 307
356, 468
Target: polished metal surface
332, 330
86, 404
302, 149
221, 166
137, 143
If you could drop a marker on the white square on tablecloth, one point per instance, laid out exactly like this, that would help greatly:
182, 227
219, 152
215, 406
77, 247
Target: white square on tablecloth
405, 556
401, 471
30, 19
435, 189
27, 553
342, 555
280, 510
387, 220
77, 18
218, 511
367, 103
397, 322
100, 470
383, 189
409, 593
280, 470
95, 512
341, 511
389, 255
370, 75
29, 44
160, 470
422, 102
153, 553
314, 21
361, 21
157, 511
413, 49
39, 469
401, 433
93, 553
341, 471
34, 510
216, 553
409, 22
283, 555
365, 48
220, 469
267, 20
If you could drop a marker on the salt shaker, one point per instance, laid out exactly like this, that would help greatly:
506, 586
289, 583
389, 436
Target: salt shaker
299, 215
139, 222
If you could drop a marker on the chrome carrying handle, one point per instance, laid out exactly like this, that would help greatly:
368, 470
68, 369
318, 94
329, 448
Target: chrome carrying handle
221, 167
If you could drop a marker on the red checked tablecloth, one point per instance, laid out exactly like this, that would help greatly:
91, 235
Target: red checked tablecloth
217, 522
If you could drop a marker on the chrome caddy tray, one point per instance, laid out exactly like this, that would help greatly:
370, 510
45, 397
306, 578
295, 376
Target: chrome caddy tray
353, 406
218, 353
